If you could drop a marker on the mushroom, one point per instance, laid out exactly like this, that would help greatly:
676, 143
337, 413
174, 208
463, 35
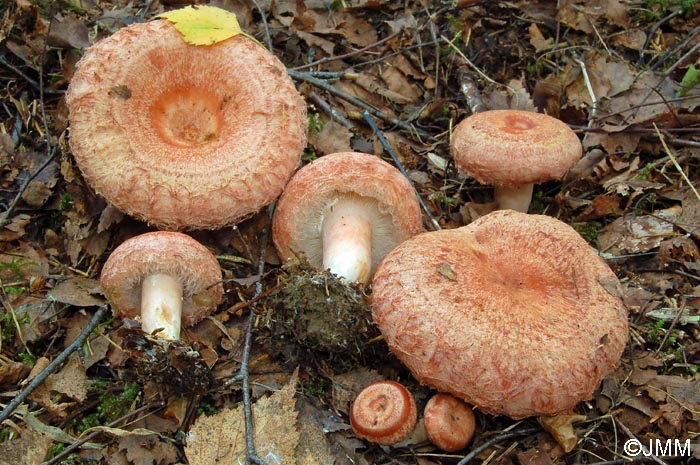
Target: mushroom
184, 136
344, 212
515, 314
166, 278
449, 422
512, 150
384, 413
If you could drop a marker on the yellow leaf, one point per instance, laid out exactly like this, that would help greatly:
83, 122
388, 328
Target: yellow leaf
204, 25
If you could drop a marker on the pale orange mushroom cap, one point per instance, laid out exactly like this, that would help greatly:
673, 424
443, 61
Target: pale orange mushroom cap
513, 150
449, 422
184, 136
514, 313
384, 413
163, 252
315, 188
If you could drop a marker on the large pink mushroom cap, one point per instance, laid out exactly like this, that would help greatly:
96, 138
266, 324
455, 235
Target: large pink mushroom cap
514, 313
184, 136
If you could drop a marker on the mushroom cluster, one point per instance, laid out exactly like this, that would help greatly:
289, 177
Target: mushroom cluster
184, 136
514, 313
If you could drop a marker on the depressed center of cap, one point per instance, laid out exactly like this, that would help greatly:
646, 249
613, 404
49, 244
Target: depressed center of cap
187, 116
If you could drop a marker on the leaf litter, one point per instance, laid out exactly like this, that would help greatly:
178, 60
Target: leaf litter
625, 78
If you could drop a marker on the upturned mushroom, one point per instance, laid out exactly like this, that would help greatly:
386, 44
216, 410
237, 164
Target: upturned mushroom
515, 314
165, 279
513, 150
184, 136
449, 422
344, 212
384, 413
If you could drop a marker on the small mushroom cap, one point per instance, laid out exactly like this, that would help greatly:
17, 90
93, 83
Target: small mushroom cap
510, 147
171, 253
449, 422
384, 413
514, 313
312, 191
184, 136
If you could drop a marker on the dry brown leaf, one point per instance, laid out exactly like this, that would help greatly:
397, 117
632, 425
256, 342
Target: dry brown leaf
60, 389
561, 428
333, 138
635, 234
148, 450
13, 373
78, 291
220, 438
29, 449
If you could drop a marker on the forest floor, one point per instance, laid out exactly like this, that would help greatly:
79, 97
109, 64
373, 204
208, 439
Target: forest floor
621, 73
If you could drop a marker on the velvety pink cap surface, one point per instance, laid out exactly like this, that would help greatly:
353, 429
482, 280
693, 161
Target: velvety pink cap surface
184, 136
514, 313
172, 253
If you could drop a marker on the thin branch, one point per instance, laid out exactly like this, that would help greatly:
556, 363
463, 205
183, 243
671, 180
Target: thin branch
51, 367
500, 438
359, 103
325, 60
398, 164
243, 374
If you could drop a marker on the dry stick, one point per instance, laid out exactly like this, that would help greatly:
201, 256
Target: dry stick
51, 367
243, 375
263, 18
675, 161
372, 124
501, 437
347, 55
645, 451
359, 103
328, 109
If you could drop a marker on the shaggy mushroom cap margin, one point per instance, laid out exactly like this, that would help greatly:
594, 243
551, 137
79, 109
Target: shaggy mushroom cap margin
184, 136
515, 314
362, 178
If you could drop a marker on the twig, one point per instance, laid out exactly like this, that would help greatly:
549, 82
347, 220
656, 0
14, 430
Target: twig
333, 112
677, 318
263, 18
359, 103
346, 55
501, 437
398, 164
51, 367
243, 375
645, 451
675, 162
31, 81
591, 93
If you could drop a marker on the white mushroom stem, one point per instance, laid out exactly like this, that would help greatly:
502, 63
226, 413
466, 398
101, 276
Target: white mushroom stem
347, 241
161, 305
513, 197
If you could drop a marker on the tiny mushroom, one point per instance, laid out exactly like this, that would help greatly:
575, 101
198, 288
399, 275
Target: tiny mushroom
344, 212
165, 278
384, 413
184, 136
514, 313
449, 422
512, 150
